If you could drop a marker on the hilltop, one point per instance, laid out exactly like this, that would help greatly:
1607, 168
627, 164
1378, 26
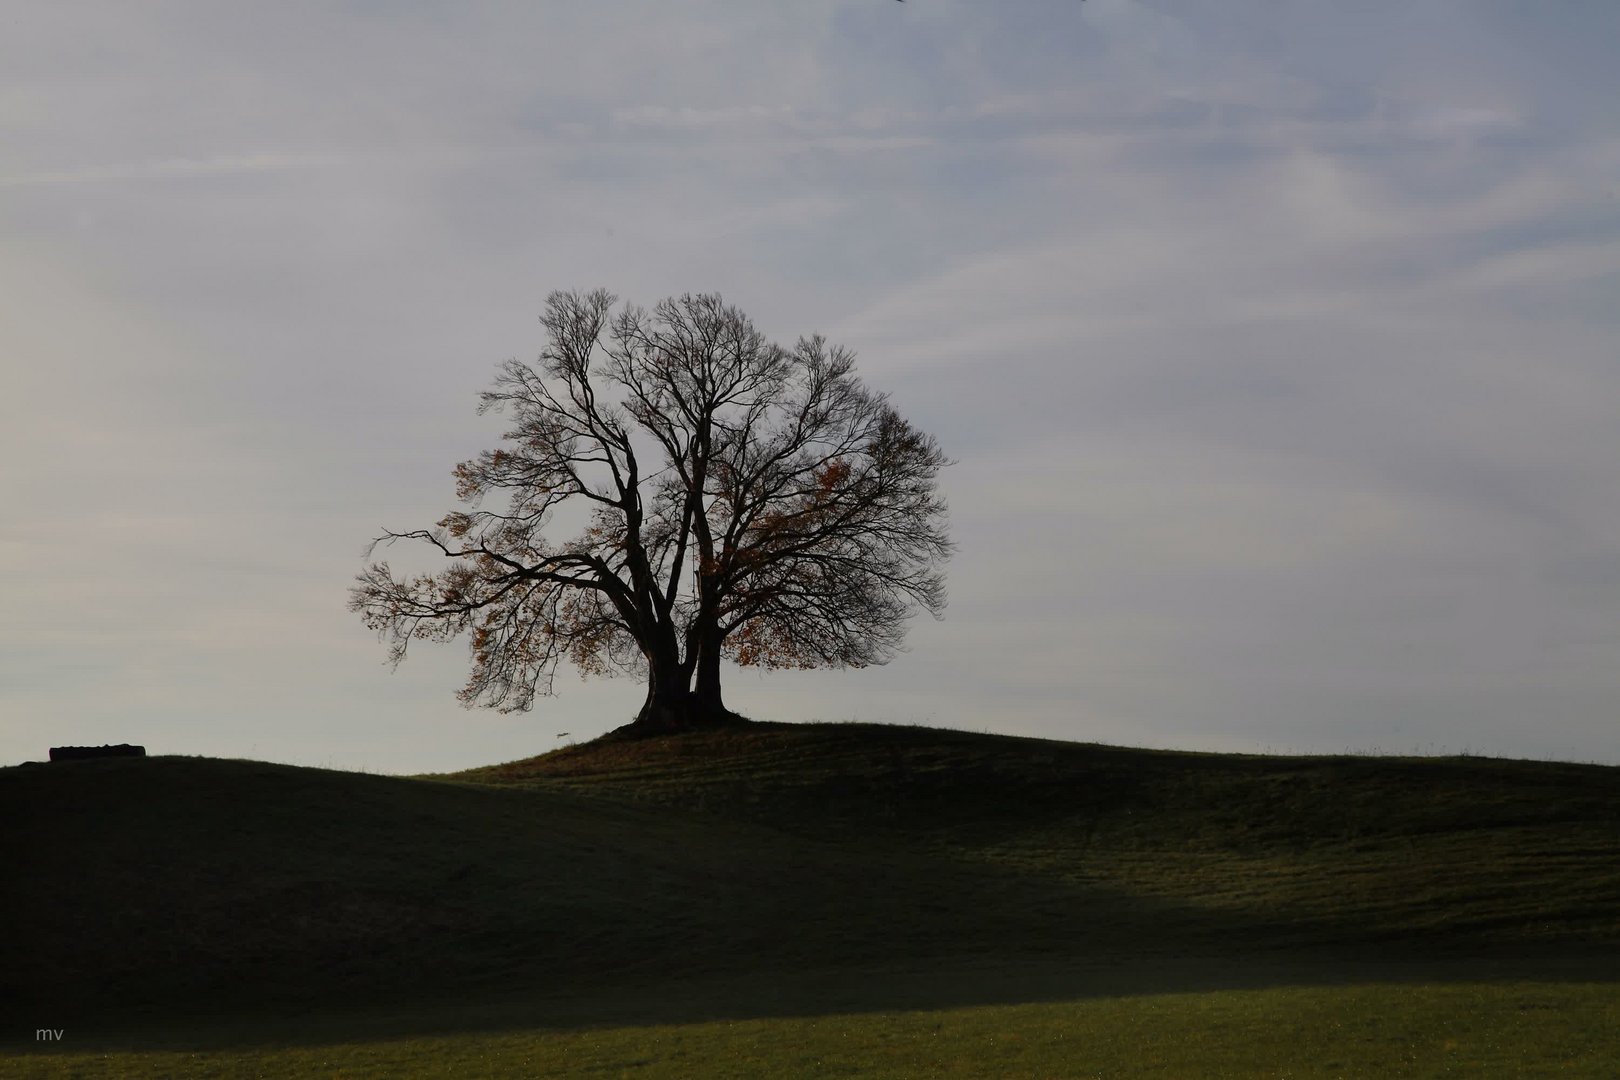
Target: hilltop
777, 860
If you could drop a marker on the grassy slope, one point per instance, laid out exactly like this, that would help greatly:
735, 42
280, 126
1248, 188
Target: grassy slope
780, 870
1465, 852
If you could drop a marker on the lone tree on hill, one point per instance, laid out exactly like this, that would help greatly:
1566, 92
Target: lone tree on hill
733, 498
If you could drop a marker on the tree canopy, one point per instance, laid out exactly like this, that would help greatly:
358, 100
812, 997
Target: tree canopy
729, 498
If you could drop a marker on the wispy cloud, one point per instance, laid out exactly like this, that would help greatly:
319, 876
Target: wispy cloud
685, 117
173, 169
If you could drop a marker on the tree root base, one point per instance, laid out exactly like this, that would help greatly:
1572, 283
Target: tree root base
646, 727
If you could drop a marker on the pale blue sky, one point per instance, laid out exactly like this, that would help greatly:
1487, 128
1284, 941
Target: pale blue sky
1277, 343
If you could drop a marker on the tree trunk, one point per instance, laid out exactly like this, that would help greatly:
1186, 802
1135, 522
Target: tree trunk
669, 695
707, 705
672, 704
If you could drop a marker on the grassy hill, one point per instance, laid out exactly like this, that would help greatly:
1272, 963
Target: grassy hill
1432, 852
787, 870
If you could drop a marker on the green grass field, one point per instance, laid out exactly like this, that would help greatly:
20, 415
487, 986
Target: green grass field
830, 900
1394, 1030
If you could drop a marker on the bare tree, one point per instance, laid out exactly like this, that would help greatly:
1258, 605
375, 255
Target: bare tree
733, 499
